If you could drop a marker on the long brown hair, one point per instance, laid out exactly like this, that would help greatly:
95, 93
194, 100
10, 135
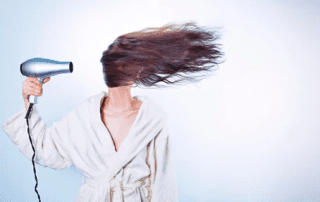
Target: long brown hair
152, 55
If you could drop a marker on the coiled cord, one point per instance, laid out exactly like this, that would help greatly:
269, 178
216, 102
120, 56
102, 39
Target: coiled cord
34, 152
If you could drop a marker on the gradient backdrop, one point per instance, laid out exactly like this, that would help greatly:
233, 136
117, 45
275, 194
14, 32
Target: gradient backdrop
251, 133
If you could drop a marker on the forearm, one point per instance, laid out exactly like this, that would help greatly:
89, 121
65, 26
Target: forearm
49, 152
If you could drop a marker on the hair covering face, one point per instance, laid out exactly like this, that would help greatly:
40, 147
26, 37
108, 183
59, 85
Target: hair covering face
155, 55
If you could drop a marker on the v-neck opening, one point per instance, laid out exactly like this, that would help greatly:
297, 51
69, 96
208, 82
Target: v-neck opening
106, 94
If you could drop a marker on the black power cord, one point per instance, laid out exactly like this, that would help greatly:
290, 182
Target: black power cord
34, 152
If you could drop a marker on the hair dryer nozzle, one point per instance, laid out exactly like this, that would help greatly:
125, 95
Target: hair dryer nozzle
71, 67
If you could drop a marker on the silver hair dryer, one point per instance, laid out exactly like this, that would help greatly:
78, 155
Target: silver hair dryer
41, 68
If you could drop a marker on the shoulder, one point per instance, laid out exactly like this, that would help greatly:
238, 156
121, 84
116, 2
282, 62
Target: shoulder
156, 110
91, 102
93, 99
83, 109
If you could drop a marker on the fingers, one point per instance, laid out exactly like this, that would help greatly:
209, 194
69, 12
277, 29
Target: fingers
46, 80
26, 93
33, 82
36, 81
32, 86
31, 91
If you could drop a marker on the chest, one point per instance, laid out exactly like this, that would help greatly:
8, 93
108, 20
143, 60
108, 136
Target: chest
119, 126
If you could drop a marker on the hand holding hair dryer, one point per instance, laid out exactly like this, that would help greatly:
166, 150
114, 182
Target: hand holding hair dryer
41, 68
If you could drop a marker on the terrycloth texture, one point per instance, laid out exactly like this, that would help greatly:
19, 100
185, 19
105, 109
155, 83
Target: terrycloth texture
142, 170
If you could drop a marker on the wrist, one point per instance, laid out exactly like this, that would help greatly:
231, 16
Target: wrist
26, 103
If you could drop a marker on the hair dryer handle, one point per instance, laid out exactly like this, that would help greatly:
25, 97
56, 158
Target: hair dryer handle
34, 99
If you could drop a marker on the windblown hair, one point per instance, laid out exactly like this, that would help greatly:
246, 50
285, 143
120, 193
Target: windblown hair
152, 55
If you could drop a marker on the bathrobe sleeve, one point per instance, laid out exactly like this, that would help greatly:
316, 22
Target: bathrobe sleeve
164, 186
47, 142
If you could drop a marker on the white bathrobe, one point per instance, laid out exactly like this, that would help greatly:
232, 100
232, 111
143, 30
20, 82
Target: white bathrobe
142, 169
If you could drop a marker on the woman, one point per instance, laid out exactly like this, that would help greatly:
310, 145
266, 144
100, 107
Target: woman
120, 144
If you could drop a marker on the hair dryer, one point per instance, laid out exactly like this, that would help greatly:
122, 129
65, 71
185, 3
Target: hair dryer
41, 68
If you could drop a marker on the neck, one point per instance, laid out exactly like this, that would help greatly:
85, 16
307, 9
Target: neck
119, 99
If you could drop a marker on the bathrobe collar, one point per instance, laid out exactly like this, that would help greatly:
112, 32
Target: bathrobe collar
148, 123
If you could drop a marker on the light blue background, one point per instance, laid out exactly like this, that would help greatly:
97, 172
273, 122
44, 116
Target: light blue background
250, 133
